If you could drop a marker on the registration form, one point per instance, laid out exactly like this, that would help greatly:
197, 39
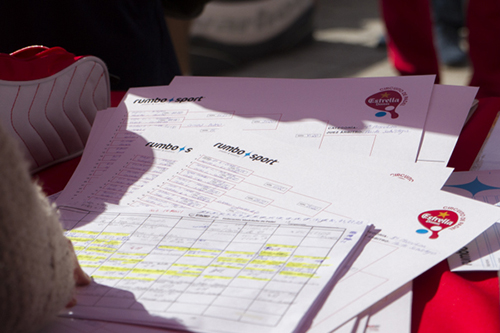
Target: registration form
169, 169
192, 271
382, 117
379, 135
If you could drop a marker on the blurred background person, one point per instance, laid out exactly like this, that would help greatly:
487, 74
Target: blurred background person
449, 22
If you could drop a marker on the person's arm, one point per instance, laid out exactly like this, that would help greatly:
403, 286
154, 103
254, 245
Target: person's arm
38, 267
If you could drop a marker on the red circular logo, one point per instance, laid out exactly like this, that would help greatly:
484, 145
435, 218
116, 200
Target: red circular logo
386, 101
437, 220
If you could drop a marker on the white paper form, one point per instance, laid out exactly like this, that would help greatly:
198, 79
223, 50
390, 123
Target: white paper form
379, 117
448, 110
207, 274
419, 225
213, 179
264, 105
483, 253
155, 159
197, 188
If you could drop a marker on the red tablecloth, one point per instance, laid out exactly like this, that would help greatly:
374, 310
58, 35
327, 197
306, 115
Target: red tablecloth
442, 301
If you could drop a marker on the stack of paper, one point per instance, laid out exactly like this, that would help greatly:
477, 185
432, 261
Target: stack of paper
288, 175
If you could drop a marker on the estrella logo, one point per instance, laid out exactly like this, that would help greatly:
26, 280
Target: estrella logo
436, 221
387, 101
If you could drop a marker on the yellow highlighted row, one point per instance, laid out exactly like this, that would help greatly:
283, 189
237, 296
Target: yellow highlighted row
178, 248
217, 277
302, 265
115, 234
281, 245
90, 258
80, 239
274, 254
100, 248
233, 260
305, 275
106, 277
203, 250
252, 278
86, 232
311, 257
107, 241
241, 252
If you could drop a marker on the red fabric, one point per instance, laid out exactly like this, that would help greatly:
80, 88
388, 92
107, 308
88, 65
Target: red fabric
442, 301
410, 41
455, 302
483, 21
26, 65
116, 97
54, 179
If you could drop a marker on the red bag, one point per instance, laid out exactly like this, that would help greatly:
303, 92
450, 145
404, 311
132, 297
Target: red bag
49, 98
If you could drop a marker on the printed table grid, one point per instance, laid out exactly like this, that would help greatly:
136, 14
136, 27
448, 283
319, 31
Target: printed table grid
237, 185
226, 269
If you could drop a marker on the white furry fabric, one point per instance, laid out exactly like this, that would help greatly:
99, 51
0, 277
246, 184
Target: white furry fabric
36, 266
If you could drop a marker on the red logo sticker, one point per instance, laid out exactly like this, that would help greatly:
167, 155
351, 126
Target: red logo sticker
437, 220
386, 101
